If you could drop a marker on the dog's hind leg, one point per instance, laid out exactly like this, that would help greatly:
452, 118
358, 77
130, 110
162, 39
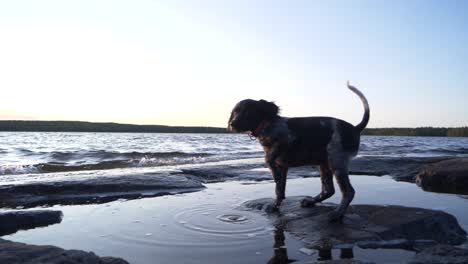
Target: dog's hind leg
347, 190
326, 177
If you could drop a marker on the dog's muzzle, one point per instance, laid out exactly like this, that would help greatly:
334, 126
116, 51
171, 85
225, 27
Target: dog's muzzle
232, 122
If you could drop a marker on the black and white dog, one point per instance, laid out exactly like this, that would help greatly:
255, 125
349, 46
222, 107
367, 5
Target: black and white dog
291, 142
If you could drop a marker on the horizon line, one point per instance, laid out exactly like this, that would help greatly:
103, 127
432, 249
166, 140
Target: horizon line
133, 124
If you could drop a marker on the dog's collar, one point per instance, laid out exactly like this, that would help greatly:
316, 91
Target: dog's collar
258, 131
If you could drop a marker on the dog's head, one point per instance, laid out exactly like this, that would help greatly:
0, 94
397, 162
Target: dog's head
248, 114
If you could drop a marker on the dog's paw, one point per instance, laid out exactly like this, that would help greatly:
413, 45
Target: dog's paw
271, 208
308, 202
335, 216
275, 209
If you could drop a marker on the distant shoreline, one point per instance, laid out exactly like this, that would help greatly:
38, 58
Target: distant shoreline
81, 126
418, 131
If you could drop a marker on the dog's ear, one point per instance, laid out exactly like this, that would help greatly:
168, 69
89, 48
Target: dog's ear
269, 109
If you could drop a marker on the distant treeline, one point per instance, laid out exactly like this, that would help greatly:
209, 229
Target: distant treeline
419, 131
76, 126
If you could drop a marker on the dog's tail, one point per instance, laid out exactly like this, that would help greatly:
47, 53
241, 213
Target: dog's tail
365, 118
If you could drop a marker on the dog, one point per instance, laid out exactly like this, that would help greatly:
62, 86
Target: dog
291, 142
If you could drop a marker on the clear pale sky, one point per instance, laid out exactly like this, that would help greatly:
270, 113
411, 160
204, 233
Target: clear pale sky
188, 62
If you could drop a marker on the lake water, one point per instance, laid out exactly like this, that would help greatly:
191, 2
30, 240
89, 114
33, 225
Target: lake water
26, 153
205, 226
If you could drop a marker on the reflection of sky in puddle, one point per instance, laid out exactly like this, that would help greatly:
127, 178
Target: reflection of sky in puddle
205, 227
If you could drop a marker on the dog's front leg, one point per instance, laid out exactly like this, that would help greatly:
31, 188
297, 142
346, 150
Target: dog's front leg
279, 176
280, 189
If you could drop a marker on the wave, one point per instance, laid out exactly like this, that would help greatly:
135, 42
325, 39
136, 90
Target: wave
102, 160
64, 161
18, 169
113, 155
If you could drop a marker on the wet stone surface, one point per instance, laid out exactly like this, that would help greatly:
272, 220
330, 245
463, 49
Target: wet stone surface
400, 168
244, 172
96, 190
13, 253
369, 226
450, 176
10, 222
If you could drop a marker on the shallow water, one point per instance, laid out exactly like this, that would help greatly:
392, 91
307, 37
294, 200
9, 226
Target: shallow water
206, 227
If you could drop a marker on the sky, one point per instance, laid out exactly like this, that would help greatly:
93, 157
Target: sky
189, 62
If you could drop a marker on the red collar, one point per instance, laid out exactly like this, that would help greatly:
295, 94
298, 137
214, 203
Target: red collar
259, 128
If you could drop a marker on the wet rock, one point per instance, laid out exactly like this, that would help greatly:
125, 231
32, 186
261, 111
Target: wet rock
99, 189
10, 222
245, 172
210, 174
372, 225
400, 168
13, 253
441, 254
449, 176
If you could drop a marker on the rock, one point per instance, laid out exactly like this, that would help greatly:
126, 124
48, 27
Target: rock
98, 189
10, 222
245, 172
15, 253
449, 176
441, 254
400, 168
372, 226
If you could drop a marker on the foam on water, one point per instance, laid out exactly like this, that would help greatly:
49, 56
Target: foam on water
18, 169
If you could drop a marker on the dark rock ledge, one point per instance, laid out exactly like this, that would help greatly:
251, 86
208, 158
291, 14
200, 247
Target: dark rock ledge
449, 176
366, 226
399, 168
13, 253
11, 222
96, 190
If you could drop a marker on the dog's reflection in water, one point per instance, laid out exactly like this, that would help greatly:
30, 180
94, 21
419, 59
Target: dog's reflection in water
281, 253
326, 254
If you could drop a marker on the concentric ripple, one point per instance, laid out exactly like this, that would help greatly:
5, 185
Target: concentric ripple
203, 225
221, 222
232, 218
